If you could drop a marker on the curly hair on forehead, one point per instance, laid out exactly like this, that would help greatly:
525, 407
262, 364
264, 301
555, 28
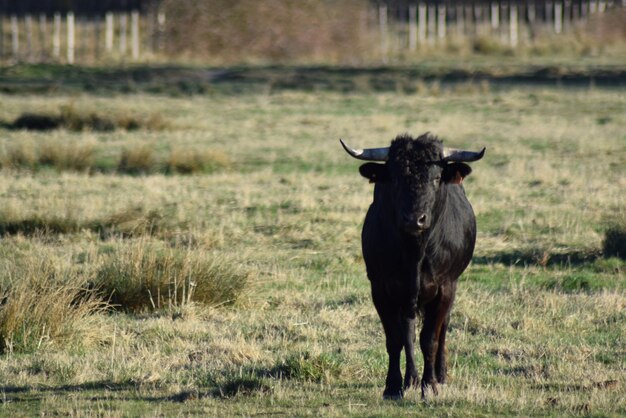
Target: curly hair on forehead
426, 147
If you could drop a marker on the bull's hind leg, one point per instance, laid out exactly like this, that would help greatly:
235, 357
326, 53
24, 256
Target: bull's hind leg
435, 315
441, 365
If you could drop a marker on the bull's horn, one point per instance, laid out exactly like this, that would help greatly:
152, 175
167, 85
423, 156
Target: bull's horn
452, 154
367, 154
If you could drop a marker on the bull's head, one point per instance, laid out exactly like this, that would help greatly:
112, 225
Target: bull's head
417, 170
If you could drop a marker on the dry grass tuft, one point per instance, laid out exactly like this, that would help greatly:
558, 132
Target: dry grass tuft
66, 156
75, 120
143, 277
43, 304
62, 156
20, 155
190, 161
134, 160
131, 222
137, 160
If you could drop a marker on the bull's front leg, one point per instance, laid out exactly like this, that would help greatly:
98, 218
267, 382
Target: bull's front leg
409, 313
390, 317
435, 316
411, 377
393, 382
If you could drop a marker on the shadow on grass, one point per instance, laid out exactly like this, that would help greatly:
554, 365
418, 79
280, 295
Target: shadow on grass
97, 391
97, 385
540, 258
578, 387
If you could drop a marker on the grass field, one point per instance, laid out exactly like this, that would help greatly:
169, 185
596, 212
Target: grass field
271, 209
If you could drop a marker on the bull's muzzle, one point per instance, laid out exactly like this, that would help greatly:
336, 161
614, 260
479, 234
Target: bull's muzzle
415, 224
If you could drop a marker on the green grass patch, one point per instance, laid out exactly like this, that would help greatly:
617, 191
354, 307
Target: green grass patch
538, 320
309, 367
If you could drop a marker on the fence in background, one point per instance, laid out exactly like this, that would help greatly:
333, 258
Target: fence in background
407, 25
401, 26
68, 38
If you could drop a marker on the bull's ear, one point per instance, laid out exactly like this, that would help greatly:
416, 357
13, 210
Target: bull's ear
455, 173
374, 172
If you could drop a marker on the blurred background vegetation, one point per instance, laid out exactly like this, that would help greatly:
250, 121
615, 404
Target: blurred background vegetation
349, 32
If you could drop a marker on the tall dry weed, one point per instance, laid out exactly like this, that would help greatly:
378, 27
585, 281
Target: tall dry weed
46, 303
60, 155
20, 155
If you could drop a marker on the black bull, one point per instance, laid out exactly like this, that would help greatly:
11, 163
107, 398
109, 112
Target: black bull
418, 237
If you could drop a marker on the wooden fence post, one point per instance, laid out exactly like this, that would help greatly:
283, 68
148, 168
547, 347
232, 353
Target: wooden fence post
161, 31
441, 22
1, 36
468, 20
549, 12
43, 36
478, 17
123, 24
513, 24
70, 37
432, 23
108, 37
384, 42
56, 36
412, 27
97, 36
28, 27
558, 16
495, 15
421, 22
531, 13
15, 37
82, 49
134, 30
458, 19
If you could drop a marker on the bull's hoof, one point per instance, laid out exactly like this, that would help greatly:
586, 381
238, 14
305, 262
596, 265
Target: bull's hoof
411, 381
442, 376
393, 394
429, 387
